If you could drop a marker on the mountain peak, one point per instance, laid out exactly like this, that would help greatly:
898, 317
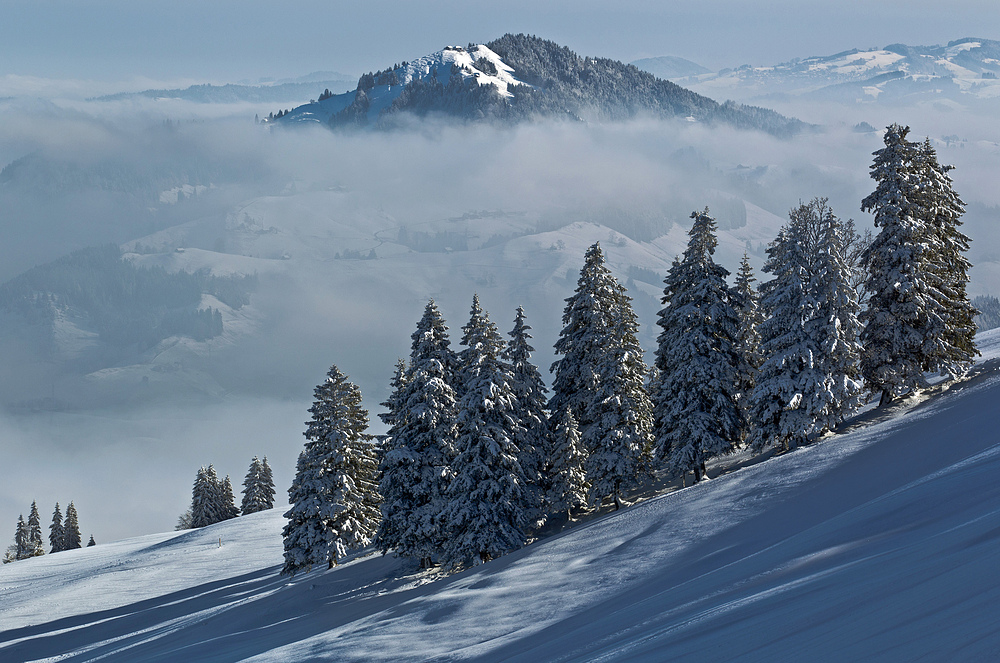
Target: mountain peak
520, 77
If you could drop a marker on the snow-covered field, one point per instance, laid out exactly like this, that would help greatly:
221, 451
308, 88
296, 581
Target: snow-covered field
882, 542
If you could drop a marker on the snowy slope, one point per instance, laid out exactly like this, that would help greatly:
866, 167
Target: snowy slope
879, 543
468, 64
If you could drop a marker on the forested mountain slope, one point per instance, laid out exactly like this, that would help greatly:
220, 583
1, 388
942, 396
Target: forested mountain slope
521, 77
880, 542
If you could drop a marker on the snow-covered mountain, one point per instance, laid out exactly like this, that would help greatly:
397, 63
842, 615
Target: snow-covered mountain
966, 69
877, 543
519, 77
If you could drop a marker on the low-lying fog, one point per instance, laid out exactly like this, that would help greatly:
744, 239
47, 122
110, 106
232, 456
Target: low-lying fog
443, 211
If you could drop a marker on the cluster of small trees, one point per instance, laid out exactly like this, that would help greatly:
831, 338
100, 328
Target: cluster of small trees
212, 499
476, 454
63, 534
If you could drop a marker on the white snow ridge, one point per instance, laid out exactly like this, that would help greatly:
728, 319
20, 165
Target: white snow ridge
882, 542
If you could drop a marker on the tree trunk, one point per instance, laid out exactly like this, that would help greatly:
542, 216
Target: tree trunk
697, 474
886, 398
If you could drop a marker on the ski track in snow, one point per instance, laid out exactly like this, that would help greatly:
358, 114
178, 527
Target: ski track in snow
882, 542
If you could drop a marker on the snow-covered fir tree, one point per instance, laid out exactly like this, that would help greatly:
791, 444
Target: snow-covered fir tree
600, 377
619, 439
35, 531
206, 498
943, 210
532, 437
56, 533
807, 383
746, 301
71, 529
487, 502
258, 488
393, 406
22, 540
566, 487
835, 323
588, 319
903, 322
417, 454
91, 543
697, 413
334, 497
229, 509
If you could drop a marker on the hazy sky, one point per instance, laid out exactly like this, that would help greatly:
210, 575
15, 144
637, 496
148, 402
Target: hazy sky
229, 40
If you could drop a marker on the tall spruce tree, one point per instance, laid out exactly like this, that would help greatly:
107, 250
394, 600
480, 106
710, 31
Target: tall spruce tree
57, 535
943, 210
600, 377
419, 449
835, 325
808, 381
258, 488
487, 502
334, 497
532, 436
71, 529
589, 318
35, 531
903, 321
619, 441
567, 480
697, 413
746, 302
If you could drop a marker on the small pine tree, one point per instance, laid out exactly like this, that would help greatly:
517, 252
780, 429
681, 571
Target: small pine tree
204, 502
57, 535
228, 500
184, 521
22, 540
267, 478
91, 543
334, 497
486, 511
567, 480
71, 529
258, 488
35, 531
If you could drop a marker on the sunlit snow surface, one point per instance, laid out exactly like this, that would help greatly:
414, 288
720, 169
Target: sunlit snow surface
879, 543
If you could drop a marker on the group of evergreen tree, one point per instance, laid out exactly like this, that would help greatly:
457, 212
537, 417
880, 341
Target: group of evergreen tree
475, 454
212, 499
64, 534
